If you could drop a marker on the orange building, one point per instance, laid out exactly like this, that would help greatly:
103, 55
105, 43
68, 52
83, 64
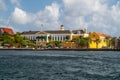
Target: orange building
6, 30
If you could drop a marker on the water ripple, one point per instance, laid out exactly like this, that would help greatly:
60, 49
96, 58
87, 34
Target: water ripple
59, 65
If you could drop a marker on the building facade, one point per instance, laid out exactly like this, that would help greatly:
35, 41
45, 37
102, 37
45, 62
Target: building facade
98, 40
117, 43
54, 35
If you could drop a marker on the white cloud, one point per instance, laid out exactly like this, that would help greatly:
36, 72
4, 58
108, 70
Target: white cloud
97, 15
16, 2
49, 17
20, 17
2, 5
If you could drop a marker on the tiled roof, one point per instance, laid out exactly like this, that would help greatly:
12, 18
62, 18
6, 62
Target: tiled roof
54, 32
59, 32
103, 35
99, 34
29, 32
77, 31
6, 30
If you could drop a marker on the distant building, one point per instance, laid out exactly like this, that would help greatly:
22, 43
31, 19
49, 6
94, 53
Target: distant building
98, 40
6, 30
54, 35
117, 43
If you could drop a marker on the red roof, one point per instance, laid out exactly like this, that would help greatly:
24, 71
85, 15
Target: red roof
7, 30
100, 34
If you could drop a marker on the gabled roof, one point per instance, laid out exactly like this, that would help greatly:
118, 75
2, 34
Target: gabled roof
6, 30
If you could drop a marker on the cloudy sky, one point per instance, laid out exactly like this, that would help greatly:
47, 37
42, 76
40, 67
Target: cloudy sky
95, 15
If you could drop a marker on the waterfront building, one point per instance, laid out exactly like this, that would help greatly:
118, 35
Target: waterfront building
54, 35
98, 40
63, 36
30, 35
6, 30
117, 43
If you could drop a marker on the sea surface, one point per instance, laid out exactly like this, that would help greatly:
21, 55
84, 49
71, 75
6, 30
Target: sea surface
59, 65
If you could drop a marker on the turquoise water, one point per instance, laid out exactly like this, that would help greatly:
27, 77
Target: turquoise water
59, 65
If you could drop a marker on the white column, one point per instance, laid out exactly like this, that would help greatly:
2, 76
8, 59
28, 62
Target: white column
47, 39
70, 36
54, 38
57, 38
32, 37
43, 40
39, 40
62, 37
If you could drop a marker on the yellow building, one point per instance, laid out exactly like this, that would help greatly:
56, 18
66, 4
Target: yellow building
98, 40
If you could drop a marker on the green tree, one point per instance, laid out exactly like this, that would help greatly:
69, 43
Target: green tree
108, 40
88, 40
82, 42
53, 43
1, 38
49, 37
19, 39
97, 42
7, 40
12, 40
67, 37
113, 41
77, 41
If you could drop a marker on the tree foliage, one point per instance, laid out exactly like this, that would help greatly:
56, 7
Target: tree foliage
82, 42
53, 44
67, 37
12, 40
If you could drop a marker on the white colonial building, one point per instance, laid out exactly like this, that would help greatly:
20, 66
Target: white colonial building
54, 35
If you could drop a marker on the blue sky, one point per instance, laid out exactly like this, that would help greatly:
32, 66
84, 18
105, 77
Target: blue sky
95, 15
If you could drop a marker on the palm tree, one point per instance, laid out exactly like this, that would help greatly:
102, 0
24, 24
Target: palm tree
84, 41
81, 42
97, 42
77, 41
88, 40
108, 40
